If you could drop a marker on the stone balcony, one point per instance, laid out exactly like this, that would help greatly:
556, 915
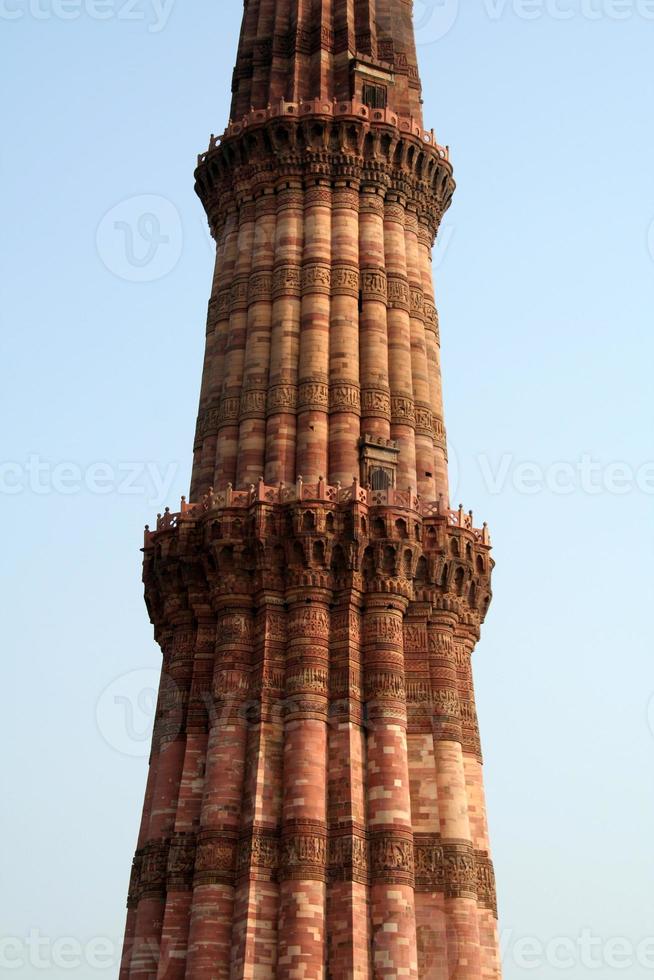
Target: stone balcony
321, 492
336, 110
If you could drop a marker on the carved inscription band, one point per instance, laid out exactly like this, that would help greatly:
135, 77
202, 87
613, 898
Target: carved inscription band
428, 863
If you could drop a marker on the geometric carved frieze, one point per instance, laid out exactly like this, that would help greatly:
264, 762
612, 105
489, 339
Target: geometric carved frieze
444, 865
391, 858
398, 292
181, 861
431, 318
348, 857
230, 407
424, 421
403, 410
345, 397
303, 853
384, 685
308, 622
345, 281
239, 294
260, 287
316, 278
215, 858
313, 394
153, 868
259, 852
417, 302
486, 888
307, 679
394, 212
287, 281
374, 285
282, 399
253, 404
376, 402
440, 433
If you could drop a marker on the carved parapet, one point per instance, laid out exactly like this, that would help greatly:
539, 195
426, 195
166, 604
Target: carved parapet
332, 140
316, 537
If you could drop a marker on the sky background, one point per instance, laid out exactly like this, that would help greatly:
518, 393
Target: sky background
545, 284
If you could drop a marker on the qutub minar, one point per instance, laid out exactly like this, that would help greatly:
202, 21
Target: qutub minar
315, 805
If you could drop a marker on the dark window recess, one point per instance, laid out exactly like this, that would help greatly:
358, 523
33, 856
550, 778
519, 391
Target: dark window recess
375, 96
380, 479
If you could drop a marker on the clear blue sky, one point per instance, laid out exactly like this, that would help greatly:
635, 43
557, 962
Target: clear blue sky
545, 285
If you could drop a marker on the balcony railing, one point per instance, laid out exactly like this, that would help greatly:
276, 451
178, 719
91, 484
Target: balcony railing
216, 500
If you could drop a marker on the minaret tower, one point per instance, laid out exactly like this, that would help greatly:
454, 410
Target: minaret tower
315, 804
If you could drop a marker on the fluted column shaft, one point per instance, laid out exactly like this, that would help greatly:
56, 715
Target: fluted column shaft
303, 864
252, 429
230, 405
285, 345
424, 413
175, 932
256, 910
432, 338
170, 734
348, 924
464, 956
204, 449
344, 389
472, 760
373, 333
210, 937
392, 906
313, 394
403, 418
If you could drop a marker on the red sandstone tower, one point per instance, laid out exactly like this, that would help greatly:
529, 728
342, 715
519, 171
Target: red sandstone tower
315, 806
